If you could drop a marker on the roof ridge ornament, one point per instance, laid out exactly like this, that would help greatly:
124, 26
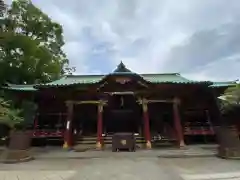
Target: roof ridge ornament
121, 68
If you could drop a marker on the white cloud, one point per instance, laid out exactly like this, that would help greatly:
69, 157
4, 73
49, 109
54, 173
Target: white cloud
145, 34
222, 70
76, 52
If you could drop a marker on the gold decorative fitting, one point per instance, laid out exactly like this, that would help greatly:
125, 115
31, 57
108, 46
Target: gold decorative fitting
144, 101
88, 102
176, 100
145, 107
124, 142
139, 100
69, 103
98, 145
182, 144
100, 108
65, 145
148, 145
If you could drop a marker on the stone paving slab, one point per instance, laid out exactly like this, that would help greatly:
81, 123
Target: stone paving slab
206, 165
110, 169
36, 175
140, 168
120, 174
171, 153
213, 176
140, 165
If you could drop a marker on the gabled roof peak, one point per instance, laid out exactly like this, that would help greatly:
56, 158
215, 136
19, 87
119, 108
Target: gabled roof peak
121, 68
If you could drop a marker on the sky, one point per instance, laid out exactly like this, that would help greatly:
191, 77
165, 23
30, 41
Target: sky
198, 38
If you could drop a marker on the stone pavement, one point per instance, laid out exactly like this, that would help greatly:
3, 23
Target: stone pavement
90, 169
36, 175
189, 151
122, 168
223, 176
205, 168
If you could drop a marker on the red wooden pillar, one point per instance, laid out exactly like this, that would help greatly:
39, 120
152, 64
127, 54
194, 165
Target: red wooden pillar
177, 122
146, 125
238, 127
35, 121
99, 127
68, 131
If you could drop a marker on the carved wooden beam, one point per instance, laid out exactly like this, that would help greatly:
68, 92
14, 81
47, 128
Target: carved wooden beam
91, 102
146, 101
122, 93
156, 101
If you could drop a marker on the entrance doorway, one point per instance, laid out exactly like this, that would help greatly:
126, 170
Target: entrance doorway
85, 119
161, 119
123, 114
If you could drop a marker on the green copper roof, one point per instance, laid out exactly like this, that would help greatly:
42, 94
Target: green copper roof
224, 84
174, 78
167, 78
23, 87
121, 70
74, 79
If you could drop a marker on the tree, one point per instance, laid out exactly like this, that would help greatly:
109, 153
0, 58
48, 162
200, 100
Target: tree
231, 98
2, 7
2, 10
9, 115
31, 46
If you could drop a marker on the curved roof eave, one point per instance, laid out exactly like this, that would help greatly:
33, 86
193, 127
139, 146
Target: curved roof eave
20, 87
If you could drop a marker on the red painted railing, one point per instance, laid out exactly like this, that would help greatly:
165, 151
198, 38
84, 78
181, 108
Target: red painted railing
201, 130
48, 133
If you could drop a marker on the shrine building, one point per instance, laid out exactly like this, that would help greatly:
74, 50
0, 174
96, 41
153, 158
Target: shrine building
155, 107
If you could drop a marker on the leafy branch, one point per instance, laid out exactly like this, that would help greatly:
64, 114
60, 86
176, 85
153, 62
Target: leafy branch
9, 115
30, 46
231, 98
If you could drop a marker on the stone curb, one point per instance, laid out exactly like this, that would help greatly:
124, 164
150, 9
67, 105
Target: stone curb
229, 158
27, 159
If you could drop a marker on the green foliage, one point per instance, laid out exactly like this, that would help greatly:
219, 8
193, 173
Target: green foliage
9, 115
30, 46
2, 10
2, 7
29, 111
231, 98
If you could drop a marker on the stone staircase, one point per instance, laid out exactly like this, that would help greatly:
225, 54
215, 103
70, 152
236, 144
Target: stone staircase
84, 143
